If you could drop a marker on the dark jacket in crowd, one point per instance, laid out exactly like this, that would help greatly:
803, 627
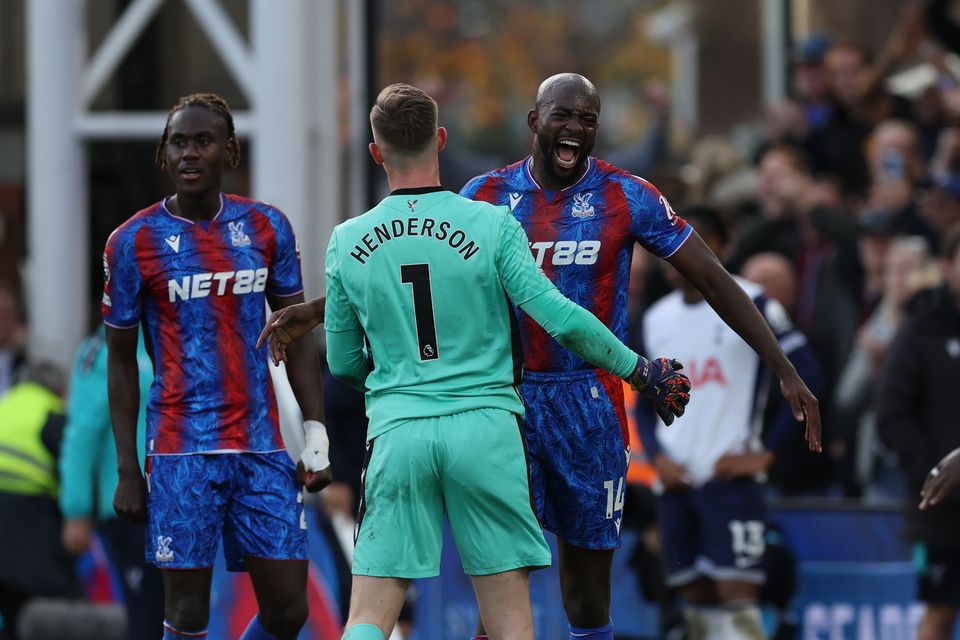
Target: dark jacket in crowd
917, 413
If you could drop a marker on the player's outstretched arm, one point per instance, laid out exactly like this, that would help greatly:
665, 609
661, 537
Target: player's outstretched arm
698, 264
941, 480
303, 370
123, 388
289, 323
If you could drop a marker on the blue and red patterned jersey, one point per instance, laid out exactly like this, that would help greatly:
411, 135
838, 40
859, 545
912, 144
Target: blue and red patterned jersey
583, 238
198, 290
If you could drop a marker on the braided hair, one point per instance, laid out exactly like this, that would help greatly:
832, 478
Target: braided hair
216, 104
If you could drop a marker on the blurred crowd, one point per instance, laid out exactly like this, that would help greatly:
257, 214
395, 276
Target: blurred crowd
838, 204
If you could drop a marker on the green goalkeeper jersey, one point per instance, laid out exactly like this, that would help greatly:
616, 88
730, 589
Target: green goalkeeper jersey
418, 308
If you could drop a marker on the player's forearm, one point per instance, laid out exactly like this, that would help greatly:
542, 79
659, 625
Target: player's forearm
581, 332
303, 371
123, 388
733, 305
346, 358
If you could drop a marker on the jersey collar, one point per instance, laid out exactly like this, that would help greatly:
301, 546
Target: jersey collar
529, 175
415, 191
163, 205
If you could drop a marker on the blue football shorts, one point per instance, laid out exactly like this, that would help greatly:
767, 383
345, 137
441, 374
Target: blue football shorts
252, 500
575, 427
716, 531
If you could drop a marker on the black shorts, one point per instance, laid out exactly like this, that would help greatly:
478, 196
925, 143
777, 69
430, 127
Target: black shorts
938, 573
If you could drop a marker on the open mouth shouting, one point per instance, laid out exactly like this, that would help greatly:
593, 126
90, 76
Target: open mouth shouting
566, 153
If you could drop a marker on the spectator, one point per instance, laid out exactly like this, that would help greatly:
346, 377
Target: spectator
896, 167
818, 241
909, 267
811, 85
826, 190
796, 470
940, 208
33, 562
836, 147
12, 356
775, 273
876, 233
893, 155
654, 149
916, 418
88, 471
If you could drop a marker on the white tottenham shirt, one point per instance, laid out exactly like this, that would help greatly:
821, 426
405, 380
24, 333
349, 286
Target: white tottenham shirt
729, 381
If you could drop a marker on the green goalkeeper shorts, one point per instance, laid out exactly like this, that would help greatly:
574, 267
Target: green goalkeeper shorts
471, 466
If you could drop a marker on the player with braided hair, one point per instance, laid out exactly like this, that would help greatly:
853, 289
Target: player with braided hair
194, 271
214, 103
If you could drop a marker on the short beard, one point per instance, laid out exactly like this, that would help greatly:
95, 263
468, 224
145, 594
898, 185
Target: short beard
549, 166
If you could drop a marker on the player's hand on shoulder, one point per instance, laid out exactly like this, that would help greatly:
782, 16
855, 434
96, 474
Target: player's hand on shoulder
130, 498
661, 384
673, 476
805, 407
941, 480
742, 465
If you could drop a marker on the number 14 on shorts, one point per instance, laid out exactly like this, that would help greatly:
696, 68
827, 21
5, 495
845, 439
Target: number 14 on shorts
614, 499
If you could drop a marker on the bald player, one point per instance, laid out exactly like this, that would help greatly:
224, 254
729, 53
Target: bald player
583, 217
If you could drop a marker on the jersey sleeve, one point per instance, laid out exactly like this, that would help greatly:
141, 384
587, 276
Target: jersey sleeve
472, 187
122, 284
346, 355
519, 274
285, 276
339, 314
653, 222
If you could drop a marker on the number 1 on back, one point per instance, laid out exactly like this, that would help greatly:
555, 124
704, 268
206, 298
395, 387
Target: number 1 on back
418, 275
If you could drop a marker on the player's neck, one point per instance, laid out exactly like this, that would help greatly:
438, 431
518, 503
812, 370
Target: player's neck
413, 177
547, 180
195, 207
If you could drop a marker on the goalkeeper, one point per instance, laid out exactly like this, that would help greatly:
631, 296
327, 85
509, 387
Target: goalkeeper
419, 318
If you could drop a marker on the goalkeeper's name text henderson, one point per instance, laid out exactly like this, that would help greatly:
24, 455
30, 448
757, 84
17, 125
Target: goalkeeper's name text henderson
427, 227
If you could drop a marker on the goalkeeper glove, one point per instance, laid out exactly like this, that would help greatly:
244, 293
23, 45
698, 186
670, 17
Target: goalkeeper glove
667, 391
